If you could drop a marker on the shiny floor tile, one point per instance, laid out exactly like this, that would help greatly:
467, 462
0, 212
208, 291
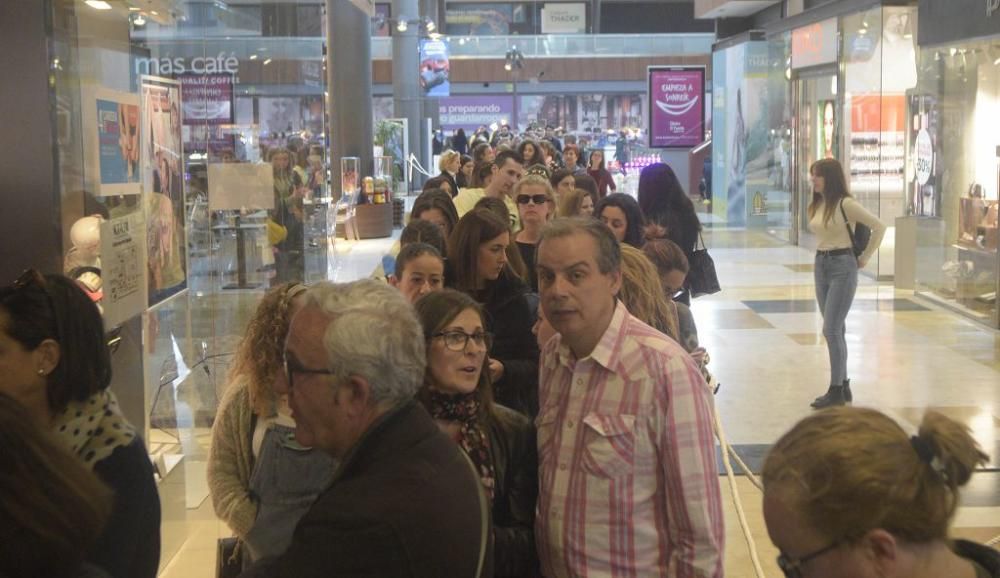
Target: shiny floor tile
803, 268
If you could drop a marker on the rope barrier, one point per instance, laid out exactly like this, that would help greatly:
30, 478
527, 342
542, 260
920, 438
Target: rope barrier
737, 501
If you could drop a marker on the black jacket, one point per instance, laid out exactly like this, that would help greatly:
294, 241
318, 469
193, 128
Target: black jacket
129, 547
509, 317
984, 556
515, 460
405, 502
451, 181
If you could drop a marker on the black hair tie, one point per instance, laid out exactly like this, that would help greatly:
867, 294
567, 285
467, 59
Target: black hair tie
923, 449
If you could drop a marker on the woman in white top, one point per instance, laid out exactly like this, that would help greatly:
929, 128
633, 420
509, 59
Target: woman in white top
836, 270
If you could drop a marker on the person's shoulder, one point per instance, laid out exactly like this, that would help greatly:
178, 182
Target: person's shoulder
511, 420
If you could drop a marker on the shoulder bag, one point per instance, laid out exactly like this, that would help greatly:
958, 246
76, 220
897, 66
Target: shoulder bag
860, 236
702, 278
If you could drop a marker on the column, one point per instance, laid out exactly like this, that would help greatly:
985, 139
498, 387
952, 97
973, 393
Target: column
406, 98
349, 86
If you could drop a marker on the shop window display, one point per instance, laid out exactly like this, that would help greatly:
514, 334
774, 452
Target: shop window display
955, 172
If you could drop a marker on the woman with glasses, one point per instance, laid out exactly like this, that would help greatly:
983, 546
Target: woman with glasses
499, 442
55, 361
260, 479
849, 494
536, 206
479, 267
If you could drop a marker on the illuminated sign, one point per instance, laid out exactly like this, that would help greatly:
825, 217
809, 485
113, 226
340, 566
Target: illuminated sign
814, 44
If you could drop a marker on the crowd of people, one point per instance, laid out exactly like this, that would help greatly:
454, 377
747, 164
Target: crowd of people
523, 395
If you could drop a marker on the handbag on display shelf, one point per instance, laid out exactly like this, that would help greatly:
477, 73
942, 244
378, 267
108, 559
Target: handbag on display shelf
228, 558
702, 278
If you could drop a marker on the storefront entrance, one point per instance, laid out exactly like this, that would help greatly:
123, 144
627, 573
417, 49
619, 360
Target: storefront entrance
817, 128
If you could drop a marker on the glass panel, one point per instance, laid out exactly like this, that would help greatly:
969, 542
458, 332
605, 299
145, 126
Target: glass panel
954, 110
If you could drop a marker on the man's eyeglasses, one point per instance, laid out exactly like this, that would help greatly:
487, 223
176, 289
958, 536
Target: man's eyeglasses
459, 340
292, 366
535, 199
793, 567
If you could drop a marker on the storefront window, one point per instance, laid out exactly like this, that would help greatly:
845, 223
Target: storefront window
780, 117
192, 144
954, 175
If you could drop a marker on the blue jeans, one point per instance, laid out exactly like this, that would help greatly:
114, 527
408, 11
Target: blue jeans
836, 282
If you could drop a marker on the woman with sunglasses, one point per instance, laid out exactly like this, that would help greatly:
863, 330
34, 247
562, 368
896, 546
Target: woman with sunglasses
499, 441
477, 253
55, 361
260, 479
849, 494
535, 206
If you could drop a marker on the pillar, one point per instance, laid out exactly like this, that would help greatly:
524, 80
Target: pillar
406, 97
349, 87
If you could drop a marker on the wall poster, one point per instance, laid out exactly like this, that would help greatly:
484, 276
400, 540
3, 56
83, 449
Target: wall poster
676, 106
434, 67
111, 129
163, 170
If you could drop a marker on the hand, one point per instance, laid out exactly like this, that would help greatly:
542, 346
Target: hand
862, 262
496, 370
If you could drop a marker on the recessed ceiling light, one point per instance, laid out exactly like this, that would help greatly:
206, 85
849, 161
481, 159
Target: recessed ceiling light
98, 4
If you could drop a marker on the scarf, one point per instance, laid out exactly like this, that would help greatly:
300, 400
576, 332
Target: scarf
93, 428
464, 408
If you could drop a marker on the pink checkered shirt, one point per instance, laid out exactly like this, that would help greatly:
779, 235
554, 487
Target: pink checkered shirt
628, 479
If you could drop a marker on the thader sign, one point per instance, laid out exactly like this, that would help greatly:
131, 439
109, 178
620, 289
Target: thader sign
676, 106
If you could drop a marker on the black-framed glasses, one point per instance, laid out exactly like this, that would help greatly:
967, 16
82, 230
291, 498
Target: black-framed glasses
536, 199
792, 567
292, 366
459, 340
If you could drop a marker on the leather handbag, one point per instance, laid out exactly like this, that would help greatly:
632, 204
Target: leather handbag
702, 278
228, 558
860, 236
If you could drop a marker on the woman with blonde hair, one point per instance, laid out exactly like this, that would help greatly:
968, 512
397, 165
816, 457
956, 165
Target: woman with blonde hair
535, 207
576, 203
642, 293
848, 493
260, 479
450, 164
833, 217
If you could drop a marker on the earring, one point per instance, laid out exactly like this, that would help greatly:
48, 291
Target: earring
41, 372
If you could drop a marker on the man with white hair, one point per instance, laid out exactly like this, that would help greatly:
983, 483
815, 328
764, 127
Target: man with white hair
405, 500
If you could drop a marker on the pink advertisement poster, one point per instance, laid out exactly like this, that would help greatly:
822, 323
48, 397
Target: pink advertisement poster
676, 107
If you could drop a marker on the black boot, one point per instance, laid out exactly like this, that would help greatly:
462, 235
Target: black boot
833, 397
847, 391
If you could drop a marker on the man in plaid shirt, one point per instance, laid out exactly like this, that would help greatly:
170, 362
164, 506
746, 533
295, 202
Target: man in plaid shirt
627, 474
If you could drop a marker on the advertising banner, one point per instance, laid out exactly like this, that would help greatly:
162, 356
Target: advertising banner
676, 106
434, 67
111, 126
207, 98
163, 170
815, 44
564, 18
471, 112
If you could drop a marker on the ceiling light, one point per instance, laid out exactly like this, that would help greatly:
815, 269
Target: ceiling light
98, 4
253, 57
266, 62
154, 12
506, 66
431, 26
139, 20
435, 35
402, 25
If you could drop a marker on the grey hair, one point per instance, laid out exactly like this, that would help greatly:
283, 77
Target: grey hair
374, 333
609, 252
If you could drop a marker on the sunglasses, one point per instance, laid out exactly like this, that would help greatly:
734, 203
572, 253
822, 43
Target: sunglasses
535, 199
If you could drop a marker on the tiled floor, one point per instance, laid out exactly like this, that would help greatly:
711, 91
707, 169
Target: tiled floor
765, 339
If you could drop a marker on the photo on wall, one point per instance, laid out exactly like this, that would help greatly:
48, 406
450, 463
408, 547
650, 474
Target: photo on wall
163, 179
111, 128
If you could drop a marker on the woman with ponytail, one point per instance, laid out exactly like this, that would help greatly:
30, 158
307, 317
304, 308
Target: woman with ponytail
849, 494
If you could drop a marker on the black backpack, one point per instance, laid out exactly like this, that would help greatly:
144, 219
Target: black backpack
860, 236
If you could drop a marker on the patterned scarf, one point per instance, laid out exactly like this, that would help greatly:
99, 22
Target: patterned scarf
94, 428
464, 408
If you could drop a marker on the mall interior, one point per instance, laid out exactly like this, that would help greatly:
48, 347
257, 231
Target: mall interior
140, 130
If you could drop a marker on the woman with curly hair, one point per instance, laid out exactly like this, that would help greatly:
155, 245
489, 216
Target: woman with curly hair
260, 479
